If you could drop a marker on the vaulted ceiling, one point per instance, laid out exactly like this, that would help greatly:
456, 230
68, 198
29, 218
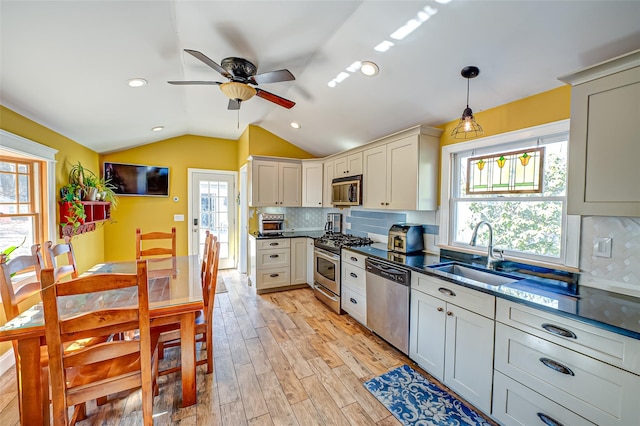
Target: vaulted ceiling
66, 64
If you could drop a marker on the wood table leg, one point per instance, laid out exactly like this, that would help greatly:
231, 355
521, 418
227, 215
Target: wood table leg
29, 382
188, 358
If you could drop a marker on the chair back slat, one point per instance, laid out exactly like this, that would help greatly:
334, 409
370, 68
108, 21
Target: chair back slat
52, 254
156, 236
102, 352
105, 282
210, 286
97, 319
12, 293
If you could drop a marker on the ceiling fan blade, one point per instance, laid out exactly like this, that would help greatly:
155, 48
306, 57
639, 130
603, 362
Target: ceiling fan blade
204, 58
273, 77
183, 83
286, 103
234, 104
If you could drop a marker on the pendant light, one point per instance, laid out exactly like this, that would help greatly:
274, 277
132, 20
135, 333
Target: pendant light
468, 127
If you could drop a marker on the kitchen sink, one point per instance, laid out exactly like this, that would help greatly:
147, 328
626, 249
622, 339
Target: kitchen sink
470, 273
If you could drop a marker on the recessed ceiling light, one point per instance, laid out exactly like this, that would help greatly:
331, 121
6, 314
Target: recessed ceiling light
369, 68
137, 82
157, 128
295, 125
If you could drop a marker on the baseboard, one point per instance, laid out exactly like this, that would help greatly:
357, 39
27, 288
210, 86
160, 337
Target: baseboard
7, 360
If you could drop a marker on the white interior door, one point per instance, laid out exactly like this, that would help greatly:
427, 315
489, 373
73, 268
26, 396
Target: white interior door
213, 208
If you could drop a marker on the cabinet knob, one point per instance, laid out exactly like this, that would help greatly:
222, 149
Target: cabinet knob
449, 313
386, 204
382, 204
440, 309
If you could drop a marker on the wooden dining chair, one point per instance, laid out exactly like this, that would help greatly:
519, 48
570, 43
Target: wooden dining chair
52, 253
14, 291
104, 369
155, 236
170, 334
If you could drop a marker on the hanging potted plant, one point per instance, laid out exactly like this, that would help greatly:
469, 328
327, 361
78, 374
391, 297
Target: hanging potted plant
71, 209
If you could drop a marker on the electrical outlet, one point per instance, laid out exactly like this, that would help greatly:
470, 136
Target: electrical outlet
602, 247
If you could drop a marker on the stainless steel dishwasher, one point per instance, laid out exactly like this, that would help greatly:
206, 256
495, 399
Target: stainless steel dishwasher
388, 302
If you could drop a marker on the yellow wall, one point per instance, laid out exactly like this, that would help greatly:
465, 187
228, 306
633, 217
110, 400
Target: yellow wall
156, 213
263, 142
545, 107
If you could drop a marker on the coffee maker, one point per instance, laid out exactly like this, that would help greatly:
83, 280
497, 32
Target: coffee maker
334, 223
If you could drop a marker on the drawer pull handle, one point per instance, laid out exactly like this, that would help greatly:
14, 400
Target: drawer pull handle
354, 259
354, 301
440, 309
273, 256
274, 244
555, 365
446, 291
274, 275
554, 329
547, 420
353, 275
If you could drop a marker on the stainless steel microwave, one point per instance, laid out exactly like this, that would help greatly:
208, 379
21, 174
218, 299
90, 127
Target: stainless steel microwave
347, 191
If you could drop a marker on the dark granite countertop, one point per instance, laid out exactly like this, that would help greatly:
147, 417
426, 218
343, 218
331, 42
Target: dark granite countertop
546, 289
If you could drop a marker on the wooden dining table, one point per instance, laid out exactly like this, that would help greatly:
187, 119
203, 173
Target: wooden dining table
175, 295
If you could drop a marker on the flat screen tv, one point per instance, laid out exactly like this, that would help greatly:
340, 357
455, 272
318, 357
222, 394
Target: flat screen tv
137, 179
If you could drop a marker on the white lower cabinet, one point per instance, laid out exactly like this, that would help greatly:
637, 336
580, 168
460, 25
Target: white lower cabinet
452, 343
516, 404
354, 289
298, 261
310, 265
561, 371
277, 263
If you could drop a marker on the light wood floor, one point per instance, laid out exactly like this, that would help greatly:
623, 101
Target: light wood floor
281, 358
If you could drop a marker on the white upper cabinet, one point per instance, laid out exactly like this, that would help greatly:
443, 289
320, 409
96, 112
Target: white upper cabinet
275, 183
348, 165
604, 144
312, 183
402, 174
329, 174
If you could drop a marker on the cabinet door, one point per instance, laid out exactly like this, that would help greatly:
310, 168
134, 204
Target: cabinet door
329, 174
469, 356
354, 164
298, 261
402, 174
290, 184
310, 265
264, 183
340, 165
312, 184
603, 169
427, 333
375, 178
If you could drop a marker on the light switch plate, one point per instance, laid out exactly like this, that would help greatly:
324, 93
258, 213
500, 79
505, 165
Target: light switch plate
602, 247
178, 218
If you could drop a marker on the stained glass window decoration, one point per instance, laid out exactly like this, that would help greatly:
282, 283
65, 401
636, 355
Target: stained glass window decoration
515, 172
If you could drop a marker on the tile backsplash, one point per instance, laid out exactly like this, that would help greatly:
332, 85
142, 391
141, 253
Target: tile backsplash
622, 269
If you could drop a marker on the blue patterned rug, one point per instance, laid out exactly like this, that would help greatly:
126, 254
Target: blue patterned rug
414, 400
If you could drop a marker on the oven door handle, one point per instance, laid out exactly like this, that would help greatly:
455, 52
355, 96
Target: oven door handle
326, 255
319, 290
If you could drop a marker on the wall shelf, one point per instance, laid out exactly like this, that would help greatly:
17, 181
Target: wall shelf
96, 211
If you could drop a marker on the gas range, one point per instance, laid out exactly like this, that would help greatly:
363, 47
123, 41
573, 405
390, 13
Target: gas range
334, 242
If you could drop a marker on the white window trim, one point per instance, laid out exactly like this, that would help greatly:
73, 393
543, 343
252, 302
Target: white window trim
572, 237
22, 146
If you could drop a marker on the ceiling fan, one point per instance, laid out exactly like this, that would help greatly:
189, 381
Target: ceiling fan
242, 77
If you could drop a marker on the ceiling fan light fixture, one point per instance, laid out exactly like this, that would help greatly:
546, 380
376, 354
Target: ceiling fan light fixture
238, 91
467, 126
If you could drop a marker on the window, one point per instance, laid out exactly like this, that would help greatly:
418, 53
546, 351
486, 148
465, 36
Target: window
486, 184
27, 193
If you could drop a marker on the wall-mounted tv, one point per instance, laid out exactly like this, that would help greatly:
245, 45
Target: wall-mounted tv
137, 179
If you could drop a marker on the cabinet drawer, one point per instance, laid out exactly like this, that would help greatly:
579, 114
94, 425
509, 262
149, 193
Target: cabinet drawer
355, 259
517, 405
272, 278
354, 304
355, 278
603, 394
275, 243
473, 300
277, 258
612, 348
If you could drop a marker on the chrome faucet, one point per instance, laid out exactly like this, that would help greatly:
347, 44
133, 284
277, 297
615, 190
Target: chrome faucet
493, 255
